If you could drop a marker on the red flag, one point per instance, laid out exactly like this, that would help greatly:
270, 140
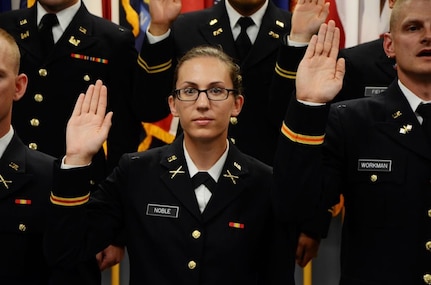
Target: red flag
333, 15
192, 5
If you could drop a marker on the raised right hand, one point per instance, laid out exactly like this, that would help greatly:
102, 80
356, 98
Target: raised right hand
163, 13
320, 74
88, 125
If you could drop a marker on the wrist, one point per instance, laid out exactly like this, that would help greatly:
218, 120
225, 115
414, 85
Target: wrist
77, 160
158, 29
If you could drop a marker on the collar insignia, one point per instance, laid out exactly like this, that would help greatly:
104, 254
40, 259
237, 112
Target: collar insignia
396, 114
229, 175
14, 166
175, 172
274, 35
25, 35
5, 182
405, 129
74, 41
279, 23
213, 22
217, 32
83, 30
172, 158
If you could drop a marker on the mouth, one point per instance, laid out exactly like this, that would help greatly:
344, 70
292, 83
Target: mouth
202, 120
424, 53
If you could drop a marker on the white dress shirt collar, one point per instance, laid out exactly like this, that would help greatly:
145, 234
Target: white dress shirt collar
64, 18
257, 17
214, 171
5, 140
412, 98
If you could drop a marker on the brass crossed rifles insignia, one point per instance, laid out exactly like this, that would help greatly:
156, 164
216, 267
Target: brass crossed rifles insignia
5, 182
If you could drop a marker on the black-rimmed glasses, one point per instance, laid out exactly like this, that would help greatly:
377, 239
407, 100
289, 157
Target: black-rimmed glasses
213, 93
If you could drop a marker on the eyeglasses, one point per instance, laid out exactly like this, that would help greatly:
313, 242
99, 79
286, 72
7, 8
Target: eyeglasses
213, 94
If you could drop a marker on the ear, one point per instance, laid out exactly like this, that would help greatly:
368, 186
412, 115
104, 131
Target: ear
388, 45
239, 101
172, 107
21, 81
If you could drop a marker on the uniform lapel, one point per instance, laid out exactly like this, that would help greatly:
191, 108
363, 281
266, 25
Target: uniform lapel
216, 29
26, 28
268, 40
12, 168
177, 178
230, 185
78, 36
401, 123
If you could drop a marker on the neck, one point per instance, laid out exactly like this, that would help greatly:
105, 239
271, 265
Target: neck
4, 129
246, 9
205, 154
420, 86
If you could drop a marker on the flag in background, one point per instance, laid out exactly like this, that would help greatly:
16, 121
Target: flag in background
360, 20
283, 4
192, 5
5, 6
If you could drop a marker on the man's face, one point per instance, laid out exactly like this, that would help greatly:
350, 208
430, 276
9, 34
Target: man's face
8, 81
410, 40
246, 7
54, 6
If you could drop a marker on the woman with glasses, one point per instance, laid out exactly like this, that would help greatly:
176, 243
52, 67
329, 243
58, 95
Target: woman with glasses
197, 211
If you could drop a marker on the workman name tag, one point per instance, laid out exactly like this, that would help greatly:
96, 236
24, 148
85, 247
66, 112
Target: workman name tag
162, 210
373, 90
381, 165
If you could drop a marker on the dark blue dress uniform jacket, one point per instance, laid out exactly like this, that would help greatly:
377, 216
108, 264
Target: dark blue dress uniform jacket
25, 185
376, 154
255, 134
91, 48
169, 241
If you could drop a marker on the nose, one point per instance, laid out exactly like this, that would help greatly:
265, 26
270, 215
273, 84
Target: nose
202, 100
427, 36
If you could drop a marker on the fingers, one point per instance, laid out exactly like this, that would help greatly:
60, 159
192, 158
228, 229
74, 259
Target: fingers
94, 101
78, 105
335, 40
326, 42
99, 258
340, 69
321, 36
87, 99
311, 47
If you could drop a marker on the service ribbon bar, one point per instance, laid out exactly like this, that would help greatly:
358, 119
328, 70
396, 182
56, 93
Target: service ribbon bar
22, 202
89, 58
236, 225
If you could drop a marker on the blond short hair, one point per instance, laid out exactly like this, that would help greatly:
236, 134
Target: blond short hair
14, 49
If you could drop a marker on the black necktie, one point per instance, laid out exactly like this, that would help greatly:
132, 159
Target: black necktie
45, 29
425, 111
243, 43
205, 179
